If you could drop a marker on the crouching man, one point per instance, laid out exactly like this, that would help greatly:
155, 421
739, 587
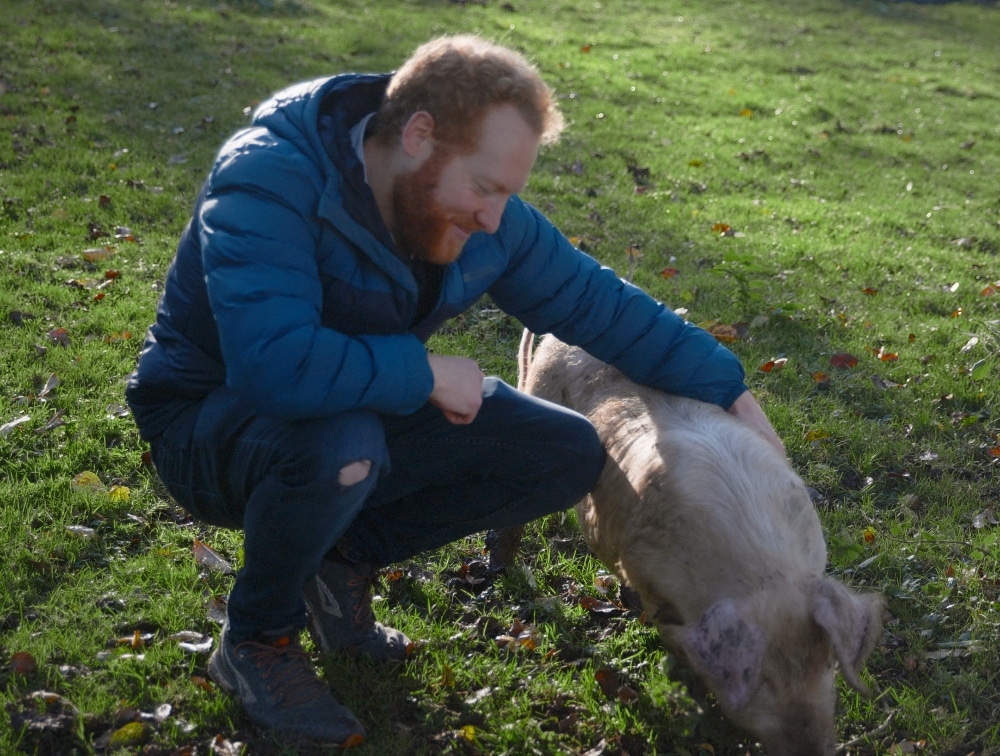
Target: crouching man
285, 388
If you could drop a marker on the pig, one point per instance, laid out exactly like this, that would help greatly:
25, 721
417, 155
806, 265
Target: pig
709, 524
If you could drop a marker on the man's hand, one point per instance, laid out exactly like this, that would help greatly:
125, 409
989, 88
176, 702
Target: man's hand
746, 409
458, 387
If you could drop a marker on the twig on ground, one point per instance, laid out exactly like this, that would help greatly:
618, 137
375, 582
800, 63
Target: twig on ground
868, 735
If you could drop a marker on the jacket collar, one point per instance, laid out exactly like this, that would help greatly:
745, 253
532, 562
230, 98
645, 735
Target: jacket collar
343, 105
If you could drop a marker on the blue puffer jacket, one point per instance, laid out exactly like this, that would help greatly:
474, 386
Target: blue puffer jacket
287, 288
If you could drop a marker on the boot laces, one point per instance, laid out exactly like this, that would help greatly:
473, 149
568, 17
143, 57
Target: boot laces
361, 590
286, 670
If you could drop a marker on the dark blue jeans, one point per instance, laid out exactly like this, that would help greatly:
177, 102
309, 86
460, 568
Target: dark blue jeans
431, 482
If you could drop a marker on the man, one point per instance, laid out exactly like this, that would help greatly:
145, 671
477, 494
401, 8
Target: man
285, 388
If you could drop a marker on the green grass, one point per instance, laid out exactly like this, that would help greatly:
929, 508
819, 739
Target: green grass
852, 150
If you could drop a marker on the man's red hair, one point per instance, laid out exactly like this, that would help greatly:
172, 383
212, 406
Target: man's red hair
458, 79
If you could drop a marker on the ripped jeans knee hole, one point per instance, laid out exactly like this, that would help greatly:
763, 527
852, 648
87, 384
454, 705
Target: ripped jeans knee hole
355, 472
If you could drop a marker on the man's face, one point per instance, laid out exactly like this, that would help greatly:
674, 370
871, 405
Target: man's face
450, 195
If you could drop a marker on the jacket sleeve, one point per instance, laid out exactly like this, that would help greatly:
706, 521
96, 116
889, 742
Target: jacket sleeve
552, 287
259, 236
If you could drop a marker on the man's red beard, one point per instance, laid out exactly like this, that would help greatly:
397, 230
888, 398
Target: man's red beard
420, 225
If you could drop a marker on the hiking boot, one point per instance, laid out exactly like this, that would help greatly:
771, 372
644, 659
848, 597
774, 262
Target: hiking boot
279, 690
339, 602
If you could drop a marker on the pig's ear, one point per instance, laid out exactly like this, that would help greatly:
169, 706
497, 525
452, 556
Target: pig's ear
852, 621
727, 651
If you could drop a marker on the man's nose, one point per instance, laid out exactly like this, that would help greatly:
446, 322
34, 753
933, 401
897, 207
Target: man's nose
489, 215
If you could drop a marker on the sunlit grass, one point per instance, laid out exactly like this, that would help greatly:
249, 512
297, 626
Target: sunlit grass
822, 177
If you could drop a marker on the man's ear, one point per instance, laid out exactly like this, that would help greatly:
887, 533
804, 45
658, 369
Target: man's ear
418, 135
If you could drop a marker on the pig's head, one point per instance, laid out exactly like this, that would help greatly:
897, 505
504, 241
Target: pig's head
771, 664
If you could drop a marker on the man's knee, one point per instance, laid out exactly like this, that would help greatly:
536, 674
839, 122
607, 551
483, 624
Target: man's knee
355, 472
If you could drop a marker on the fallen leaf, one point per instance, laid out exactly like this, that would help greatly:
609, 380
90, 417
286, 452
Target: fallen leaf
160, 713
979, 370
119, 493
774, 366
607, 679
200, 646
393, 575
205, 556
222, 747
882, 384
524, 635
640, 174
6, 428
18, 317
129, 736
136, 640
87, 482
479, 695
56, 421
97, 254
597, 606
627, 695
59, 336
58, 721
598, 750
886, 356
95, 231
504, 641
82, 530
984, 518
969, 345
817, 435
49, 387
217, 606
186, 635
447, 676
669, 273
116, 410
843, 360
722, 331
53, 699
22, 664
605, 583
869, 291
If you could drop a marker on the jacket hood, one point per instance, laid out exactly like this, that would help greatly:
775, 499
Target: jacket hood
294, 113
317, 117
